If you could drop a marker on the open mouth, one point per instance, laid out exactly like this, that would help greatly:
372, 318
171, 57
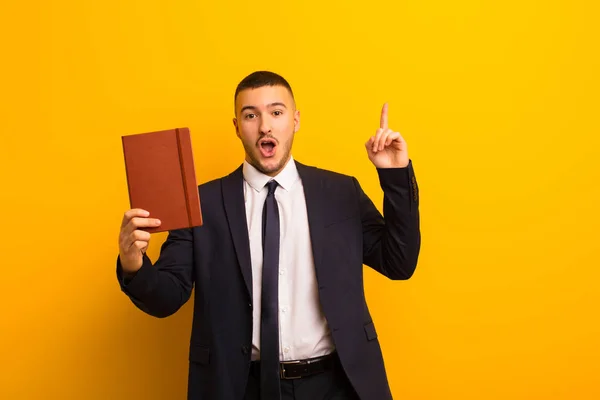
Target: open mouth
267, 147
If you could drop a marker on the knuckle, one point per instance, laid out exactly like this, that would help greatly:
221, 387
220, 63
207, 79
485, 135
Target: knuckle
140, 235
127, 229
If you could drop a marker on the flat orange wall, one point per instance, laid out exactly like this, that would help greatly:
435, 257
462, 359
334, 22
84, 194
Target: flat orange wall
497, 100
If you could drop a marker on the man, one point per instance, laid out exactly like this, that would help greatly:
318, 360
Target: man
279, 306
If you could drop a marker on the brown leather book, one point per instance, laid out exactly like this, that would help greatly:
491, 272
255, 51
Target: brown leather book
161, 177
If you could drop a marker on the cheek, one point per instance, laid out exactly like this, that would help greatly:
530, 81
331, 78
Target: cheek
246, 131
285, 126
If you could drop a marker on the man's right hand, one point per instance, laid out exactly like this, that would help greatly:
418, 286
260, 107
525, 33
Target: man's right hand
133, 242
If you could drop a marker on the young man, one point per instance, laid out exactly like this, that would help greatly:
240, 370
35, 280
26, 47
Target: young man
279, 305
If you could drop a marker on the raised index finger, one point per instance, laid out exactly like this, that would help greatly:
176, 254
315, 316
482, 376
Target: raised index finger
384, 117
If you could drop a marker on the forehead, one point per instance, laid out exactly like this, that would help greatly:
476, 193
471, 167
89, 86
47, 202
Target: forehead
263, 96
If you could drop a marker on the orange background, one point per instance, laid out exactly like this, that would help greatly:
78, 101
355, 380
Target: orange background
498, 102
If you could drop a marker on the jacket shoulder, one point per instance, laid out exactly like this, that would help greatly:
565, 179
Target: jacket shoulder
324, 174
211, 185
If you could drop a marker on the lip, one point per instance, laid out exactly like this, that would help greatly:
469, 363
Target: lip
266, 153
266, 140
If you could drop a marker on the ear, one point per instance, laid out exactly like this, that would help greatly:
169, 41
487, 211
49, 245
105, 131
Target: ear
237, 129
296, 121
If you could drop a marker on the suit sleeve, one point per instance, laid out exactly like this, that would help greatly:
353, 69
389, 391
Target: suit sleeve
391, 243
161, 289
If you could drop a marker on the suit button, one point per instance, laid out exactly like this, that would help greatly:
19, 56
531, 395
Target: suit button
245, 349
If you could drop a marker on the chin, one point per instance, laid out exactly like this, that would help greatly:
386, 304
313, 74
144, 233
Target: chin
268, 166
271, 165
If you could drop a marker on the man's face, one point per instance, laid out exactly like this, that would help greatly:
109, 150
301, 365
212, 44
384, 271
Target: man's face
266, 120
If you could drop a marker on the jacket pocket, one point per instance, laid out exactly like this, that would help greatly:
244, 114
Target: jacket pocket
370, 331
199, 354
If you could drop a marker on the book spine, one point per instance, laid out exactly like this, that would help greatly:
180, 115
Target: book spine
124, 141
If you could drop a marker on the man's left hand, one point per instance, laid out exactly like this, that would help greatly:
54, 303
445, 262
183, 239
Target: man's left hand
387, 149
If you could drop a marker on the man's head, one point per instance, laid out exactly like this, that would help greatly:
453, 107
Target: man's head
266, 120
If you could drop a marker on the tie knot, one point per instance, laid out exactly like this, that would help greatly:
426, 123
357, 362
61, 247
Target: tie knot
271, 185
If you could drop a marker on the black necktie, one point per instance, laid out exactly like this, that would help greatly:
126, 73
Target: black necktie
269, 325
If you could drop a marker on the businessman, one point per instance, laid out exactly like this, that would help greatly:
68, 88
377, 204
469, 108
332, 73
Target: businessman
277, 267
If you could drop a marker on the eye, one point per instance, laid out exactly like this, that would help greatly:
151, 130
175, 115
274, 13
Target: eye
250, 116
277, 113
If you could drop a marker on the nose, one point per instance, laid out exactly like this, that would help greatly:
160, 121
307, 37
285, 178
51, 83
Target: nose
265, 126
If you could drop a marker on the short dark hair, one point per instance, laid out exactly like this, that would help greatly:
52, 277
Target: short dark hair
262, 78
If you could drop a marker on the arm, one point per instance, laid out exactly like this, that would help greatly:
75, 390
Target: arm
391, 243
161, 289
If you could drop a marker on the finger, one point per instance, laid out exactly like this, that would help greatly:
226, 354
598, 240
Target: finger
369, 143
138, 240
140, 245
375, 144
137, 222
381, 140
134, 212
384, 138
391, 137
138, 235
384, 117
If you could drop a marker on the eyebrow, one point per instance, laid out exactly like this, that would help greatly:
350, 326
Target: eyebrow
268, 106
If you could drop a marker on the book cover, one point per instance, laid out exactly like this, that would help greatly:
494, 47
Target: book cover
161, 178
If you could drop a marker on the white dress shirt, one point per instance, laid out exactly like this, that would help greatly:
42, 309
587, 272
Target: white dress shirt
303, 330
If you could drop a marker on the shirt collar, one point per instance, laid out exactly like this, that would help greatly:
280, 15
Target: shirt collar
285, 178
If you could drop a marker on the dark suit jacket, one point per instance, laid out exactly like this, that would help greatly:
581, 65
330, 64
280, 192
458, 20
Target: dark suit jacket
346, 231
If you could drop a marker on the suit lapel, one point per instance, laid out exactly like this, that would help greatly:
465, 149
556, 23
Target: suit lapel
233, 197
313, 193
